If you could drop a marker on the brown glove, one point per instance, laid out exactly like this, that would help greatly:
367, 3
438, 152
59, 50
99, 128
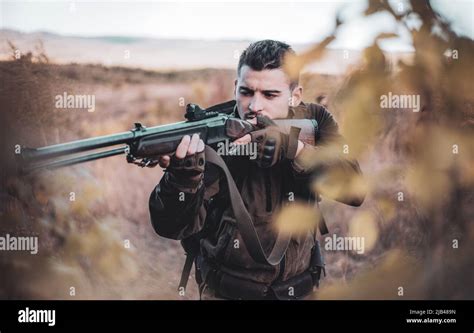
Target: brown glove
187, 173
272, 144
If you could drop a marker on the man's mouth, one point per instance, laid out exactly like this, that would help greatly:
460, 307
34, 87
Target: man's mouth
250, 115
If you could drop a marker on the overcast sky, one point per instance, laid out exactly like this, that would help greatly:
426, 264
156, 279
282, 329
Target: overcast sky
294, 22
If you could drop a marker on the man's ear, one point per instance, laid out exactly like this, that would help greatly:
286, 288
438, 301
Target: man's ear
296, 96
235, 89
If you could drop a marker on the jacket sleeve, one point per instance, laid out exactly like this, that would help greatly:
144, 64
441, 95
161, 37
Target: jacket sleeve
179, 213
333, 174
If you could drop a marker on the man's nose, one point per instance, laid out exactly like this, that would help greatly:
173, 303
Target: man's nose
256, 104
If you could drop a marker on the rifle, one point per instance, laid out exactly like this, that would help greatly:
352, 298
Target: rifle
143, 145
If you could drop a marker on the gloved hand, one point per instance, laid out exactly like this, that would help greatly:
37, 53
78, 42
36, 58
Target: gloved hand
188, 169
185, 169
272, 144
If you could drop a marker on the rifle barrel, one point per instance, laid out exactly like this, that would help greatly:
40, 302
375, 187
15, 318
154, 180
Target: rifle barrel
56, 155
76, 160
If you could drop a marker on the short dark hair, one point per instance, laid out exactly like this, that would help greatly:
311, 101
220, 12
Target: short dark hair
266, 54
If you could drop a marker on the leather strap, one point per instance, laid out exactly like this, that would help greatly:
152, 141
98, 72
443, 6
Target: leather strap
293, 142
244, 220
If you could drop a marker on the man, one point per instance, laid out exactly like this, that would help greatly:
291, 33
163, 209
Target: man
191, 202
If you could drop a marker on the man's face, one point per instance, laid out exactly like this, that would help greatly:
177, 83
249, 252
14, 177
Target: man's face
265, 92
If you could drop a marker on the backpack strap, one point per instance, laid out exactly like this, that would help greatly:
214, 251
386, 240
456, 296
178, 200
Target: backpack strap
188, 265
323, 228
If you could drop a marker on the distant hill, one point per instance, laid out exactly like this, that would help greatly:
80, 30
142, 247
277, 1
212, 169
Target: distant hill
156, 54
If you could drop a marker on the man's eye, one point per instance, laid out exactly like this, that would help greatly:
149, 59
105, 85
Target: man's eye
270, 95
245, 92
